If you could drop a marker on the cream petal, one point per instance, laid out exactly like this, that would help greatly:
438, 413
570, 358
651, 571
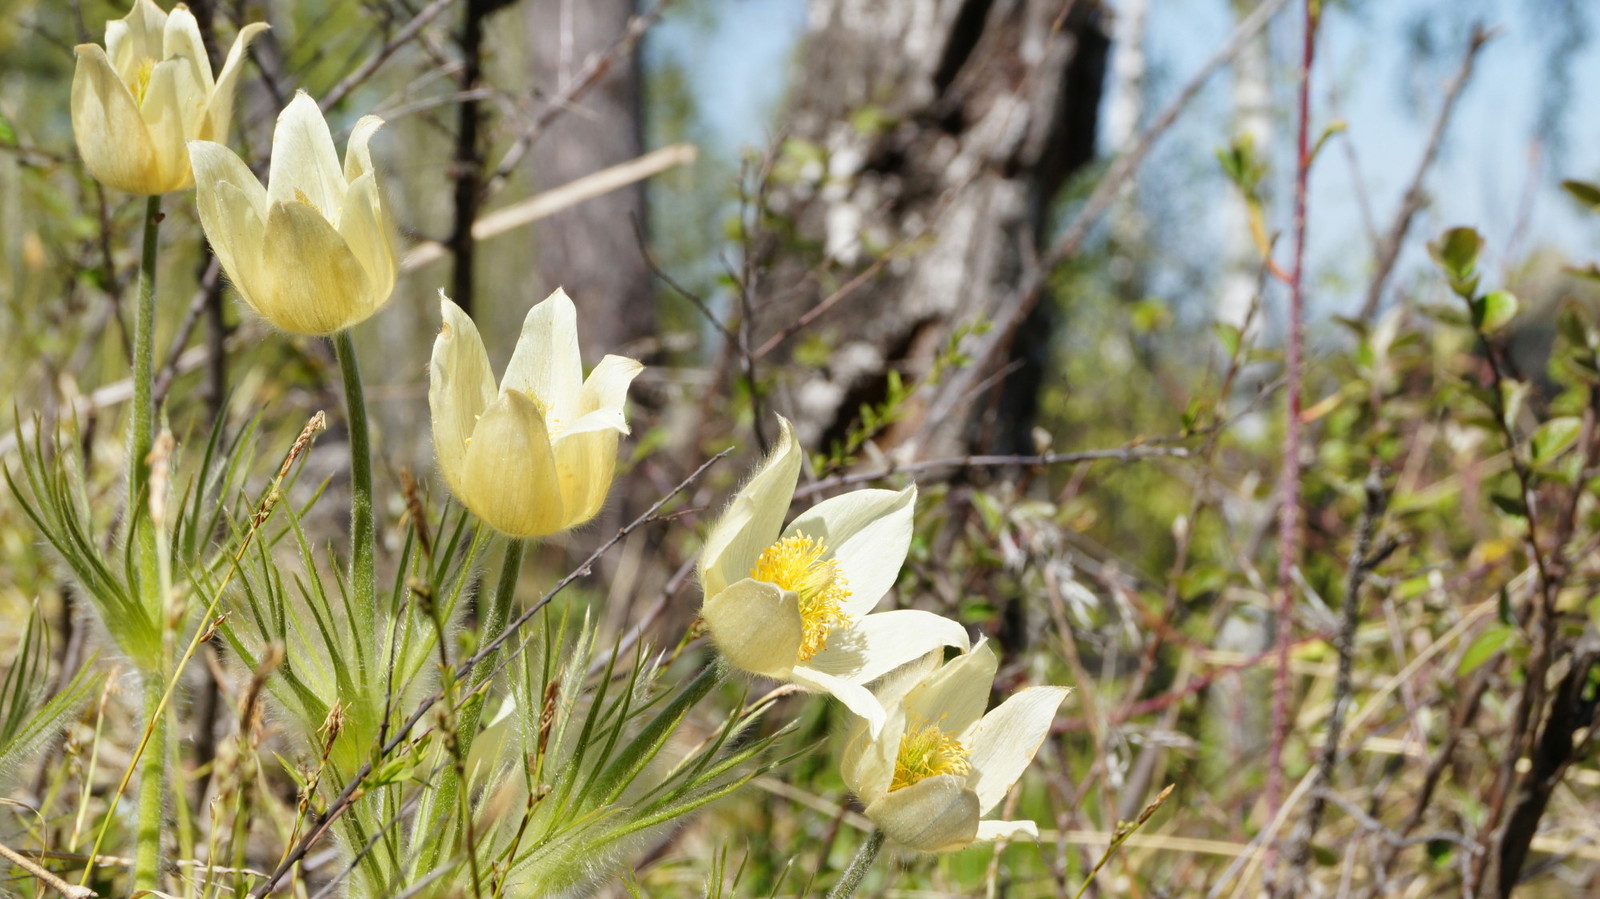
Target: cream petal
111, 134
310, 282
219, 108
545, 363
754, 518
357, 155
934, 815
892, 688
362, 226
868, 532
866, 764
956, 694
168, 115
882, 642
460, 386
853, 696
305, 165
606, 389
181, 41
988, 831
136, 36
232, 205
510, 478
585, 464
1003, 744
756, 626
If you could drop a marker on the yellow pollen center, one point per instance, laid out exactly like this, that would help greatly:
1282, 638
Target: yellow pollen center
140, 84
553, 426
797, 564
927, 751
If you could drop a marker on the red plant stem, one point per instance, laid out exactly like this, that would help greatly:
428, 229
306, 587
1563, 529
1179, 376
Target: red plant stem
1289, 512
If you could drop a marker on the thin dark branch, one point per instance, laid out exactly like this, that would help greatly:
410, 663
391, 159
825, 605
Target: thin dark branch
962, 463
1389, 251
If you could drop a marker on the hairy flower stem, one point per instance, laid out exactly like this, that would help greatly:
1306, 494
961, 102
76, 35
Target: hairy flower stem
141, 437
850, 881
363, 582
141, 433
152, 788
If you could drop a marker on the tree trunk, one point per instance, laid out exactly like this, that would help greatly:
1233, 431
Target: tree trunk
591, 249
946, 129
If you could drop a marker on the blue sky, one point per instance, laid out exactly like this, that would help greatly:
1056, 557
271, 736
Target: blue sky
738, 56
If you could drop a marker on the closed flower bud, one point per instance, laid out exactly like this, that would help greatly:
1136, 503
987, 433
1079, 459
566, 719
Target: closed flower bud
313, 252
535, 455
136, 100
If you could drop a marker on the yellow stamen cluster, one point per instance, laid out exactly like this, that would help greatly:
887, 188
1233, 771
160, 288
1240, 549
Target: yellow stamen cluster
796, 563
927, 751
140, 85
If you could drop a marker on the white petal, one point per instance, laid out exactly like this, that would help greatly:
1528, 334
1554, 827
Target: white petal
219, 108
460, 386
309, 282
989, 831
510, 478
357, 155
756, 626
305, 165
606, 390
880, 643
858, 699
233, 211
754, 518
545, 364
1003, 744
956, 695
585, 464
365, 230
136, 36
181, 41
868, 533
866, 763
170, 118
934, 815
111, 134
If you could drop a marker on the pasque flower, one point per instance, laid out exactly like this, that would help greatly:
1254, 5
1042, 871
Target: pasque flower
792, 603
938, 764
313, 252
534, 456
136, 100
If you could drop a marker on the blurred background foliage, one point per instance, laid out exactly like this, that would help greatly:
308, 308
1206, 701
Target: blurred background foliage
880, 244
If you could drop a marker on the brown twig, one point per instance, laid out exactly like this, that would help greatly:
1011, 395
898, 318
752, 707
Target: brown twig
402, 37
1289, 510
963, 463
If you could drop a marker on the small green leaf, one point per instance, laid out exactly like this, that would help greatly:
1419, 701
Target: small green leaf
1584, 192
1493, 311
1485, 647
1509, 503
1456, 252
1555, 436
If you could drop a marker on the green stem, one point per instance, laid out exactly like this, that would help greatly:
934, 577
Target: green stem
141, 437
850, 881
152, 788
142, 434
363, 582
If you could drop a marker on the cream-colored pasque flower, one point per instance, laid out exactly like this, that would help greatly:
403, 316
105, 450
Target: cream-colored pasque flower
792, 603
535, 455
939, 763
136, 100
313, 252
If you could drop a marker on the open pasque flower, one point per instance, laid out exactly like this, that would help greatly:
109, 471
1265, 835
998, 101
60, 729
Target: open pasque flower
136, 100
791, 603
313, 252
534, 456
939, 763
